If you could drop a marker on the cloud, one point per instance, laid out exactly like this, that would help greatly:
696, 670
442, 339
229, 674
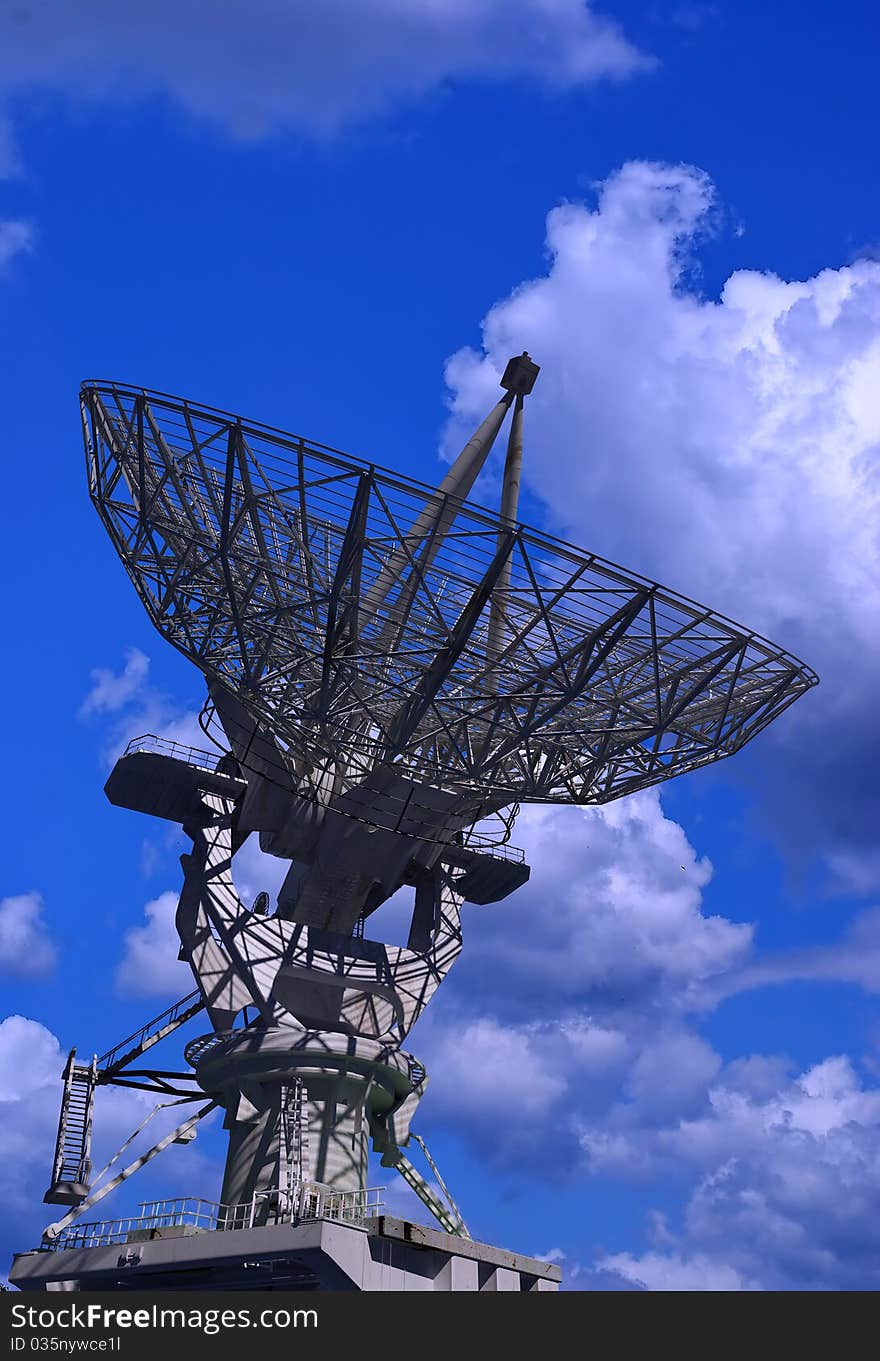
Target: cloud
788, 1194
573, 995
255, 872
564, 1046
611, 918
659, 1271
149, 966
259, 65
112, 690
516, 1092
729, 449
855, 958
670, 1075
487, 1068
136, 707
584, 990
30, 1091
16, 237
26, 949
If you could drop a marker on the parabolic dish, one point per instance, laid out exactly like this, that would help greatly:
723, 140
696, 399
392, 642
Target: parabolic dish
289, 573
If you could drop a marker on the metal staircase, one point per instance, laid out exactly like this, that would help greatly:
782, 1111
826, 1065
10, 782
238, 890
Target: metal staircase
140, 1040
73, 1164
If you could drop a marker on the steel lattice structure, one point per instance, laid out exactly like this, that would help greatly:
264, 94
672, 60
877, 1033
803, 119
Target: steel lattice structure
351, 611
390, 667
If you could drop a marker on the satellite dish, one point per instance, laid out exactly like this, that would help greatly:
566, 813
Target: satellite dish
365, 621
390, 667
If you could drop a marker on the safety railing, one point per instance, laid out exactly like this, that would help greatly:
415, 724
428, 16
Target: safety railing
304, 1204
199, 1046
487, 844
186, 1212
180, 751
154, 1030
481, 841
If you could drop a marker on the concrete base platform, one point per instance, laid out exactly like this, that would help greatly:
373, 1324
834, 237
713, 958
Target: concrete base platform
386, 1254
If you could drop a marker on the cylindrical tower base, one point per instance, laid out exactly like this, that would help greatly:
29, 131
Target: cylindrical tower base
300, 1106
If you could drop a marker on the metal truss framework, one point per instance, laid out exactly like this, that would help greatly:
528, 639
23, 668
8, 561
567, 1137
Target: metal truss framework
388, 665
367, 621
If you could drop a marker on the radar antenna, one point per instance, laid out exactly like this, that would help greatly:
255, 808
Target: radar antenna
392, 670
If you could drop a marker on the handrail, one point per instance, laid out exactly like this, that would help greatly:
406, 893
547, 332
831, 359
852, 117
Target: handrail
480, 843
181, 751
200, 1045
310, 1201
166, 1021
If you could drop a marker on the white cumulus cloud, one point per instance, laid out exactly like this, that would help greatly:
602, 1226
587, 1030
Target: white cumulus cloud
112, 690
612, 915
133, 707
26, 948
789, 1171
565, 1044
149, 965
668, 1271
727, 447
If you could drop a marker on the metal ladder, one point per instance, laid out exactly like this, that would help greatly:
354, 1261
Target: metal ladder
293, 1171
73, 1164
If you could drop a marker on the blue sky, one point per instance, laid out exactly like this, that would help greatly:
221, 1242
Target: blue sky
338, 223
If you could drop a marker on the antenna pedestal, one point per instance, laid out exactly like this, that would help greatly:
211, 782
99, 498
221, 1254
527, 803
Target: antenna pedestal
348, 1089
